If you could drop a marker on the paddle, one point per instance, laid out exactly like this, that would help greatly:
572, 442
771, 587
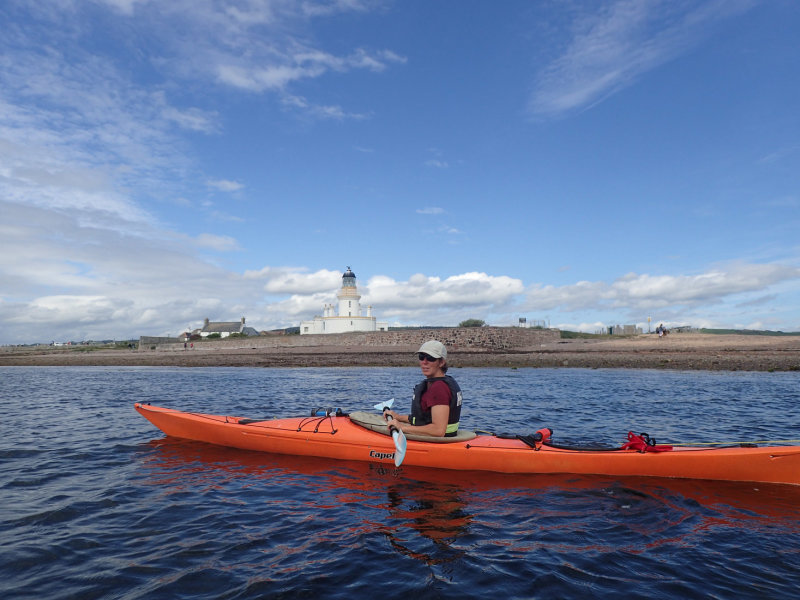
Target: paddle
400, 442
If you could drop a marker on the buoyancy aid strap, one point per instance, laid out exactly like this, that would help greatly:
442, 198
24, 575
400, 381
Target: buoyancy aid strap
451, 430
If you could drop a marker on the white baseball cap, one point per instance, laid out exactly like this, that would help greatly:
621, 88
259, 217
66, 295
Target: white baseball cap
434, 349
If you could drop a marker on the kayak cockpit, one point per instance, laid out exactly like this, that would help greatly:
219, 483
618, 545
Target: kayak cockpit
376, 422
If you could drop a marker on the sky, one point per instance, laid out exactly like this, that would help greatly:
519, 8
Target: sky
580, 164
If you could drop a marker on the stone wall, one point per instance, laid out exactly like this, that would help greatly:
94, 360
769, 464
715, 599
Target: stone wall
147, 341
455, 338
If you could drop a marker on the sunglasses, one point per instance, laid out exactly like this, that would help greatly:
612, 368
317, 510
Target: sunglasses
426, 357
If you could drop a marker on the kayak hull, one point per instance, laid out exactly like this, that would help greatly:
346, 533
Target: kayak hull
337, 437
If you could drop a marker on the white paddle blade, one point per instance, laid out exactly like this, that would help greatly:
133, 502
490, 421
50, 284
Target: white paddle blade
400, 445
385, 404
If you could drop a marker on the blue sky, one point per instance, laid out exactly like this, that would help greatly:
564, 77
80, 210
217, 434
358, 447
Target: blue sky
581, 163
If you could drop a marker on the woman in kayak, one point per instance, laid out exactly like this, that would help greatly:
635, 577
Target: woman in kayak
436, 406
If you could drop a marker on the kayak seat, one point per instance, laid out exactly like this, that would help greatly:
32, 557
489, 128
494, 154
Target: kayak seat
375, 422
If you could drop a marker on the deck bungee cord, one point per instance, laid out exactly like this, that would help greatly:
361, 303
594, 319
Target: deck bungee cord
319, 421
744, 444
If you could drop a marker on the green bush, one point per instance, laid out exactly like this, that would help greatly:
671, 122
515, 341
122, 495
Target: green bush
472, 323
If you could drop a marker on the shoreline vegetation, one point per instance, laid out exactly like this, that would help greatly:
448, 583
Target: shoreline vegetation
677, 351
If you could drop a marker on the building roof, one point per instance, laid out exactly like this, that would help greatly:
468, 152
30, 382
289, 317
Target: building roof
227, 327
232, 327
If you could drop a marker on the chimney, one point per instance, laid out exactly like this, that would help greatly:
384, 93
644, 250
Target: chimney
206, 322
242, 320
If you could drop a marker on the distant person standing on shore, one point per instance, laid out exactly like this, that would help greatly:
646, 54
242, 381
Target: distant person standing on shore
436, 406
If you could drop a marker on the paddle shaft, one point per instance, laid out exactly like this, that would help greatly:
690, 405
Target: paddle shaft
398, 437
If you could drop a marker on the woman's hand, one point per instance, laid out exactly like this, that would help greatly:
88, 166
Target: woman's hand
392, 414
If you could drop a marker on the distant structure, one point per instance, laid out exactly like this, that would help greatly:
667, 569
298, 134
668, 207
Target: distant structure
224, 329
620, 330
349, 315
533, 323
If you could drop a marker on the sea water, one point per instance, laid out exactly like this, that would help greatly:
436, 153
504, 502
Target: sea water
97, 503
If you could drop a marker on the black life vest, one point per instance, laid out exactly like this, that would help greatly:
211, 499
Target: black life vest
417, 417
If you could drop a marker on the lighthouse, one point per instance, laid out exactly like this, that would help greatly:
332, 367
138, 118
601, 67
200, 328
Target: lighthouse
348, 296
349, 317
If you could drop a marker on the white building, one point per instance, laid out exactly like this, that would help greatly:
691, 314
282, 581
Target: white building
349, 316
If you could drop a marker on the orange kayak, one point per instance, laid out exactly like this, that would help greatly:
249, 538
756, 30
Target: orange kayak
363, 437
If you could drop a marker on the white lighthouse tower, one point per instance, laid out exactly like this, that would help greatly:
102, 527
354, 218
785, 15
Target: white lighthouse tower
349, 317
348, 296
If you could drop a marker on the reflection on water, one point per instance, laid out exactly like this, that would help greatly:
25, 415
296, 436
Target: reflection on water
99, 504
562, 513
437, 514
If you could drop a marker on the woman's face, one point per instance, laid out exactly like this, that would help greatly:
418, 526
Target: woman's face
430, 367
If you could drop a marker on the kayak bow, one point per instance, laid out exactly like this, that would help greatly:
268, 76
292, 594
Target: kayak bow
365, 437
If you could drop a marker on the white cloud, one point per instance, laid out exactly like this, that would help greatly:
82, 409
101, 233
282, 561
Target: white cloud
289, 280
225, 185
111, 281
256, 79
422, 292
265, 48
644, 292
76, 309
297, 308
222, 243
616, 43
320, 111
124, 6
326, 8
192, 119
75, 135
135, 288
436, 163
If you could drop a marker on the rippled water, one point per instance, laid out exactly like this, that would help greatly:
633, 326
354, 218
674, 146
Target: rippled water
96, 503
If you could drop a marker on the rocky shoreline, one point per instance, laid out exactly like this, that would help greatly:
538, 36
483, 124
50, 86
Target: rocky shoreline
677, 351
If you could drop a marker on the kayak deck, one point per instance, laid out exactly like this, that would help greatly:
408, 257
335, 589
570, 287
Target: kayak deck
338, 437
